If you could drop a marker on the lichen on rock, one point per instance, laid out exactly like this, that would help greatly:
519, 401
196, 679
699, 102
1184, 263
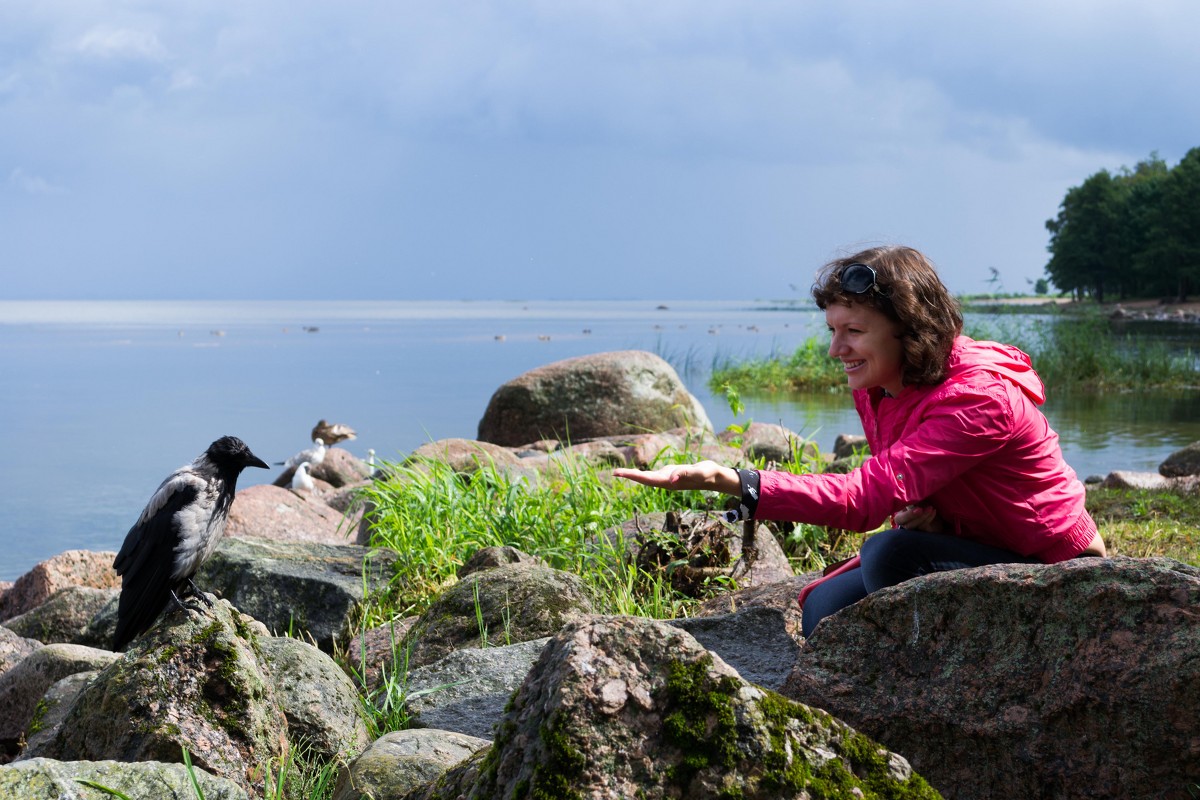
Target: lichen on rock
197, 680
629, 707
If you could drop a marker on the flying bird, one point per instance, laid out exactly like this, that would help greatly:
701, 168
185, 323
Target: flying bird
332, 433
177, 531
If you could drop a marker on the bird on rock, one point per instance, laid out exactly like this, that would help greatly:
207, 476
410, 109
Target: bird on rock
313, 455
301, 480
177, 531
332, 433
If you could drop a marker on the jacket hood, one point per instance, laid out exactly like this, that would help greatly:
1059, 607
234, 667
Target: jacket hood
1004, 360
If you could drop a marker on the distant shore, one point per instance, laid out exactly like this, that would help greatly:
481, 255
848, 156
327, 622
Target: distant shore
1154, 307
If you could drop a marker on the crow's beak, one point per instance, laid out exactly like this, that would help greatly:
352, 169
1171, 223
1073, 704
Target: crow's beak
254, 461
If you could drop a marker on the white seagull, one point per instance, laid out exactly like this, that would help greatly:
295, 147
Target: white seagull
301, 480
313, 456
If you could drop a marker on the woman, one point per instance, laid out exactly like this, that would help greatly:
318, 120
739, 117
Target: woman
963, 461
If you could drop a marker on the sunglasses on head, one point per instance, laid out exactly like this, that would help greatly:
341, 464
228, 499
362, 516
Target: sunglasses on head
857, 278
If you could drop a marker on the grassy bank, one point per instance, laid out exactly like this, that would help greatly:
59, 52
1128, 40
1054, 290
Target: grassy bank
435, 519
1078, 353
1086, 353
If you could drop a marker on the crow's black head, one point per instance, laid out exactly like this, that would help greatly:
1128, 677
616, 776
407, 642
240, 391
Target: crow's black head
232, 452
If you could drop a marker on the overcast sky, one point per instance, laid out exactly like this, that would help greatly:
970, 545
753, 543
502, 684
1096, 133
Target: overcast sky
525, 150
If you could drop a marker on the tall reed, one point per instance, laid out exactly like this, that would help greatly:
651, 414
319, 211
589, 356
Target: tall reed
1087, 353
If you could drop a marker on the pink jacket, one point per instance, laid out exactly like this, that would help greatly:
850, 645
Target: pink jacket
974, 447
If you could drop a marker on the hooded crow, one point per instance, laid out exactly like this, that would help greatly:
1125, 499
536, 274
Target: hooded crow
177, 531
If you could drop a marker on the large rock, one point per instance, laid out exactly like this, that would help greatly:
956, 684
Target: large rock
71, 568
65, 617
754, 641
499, 606
319, 700
348, 499
847, 445
496, 556
589, 396
1182, 463
644, 449
402, 761
195, 680
467, 691
629, 707
14, 648
779, 597
465, 456
560, 459
23, 686
1145, 481
297, 588
46, 779
1077, 680
771, 443
281, 515
102, 628
339, 468
52, 710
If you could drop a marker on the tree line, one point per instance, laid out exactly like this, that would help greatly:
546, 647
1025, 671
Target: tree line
1132, 234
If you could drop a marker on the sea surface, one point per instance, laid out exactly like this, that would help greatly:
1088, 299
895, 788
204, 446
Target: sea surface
104, 399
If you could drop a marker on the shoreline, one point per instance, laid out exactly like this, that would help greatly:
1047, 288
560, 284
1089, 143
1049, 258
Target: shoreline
1152, 308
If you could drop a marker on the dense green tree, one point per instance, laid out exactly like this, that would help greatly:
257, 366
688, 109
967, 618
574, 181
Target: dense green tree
1135, 233
1085, 238
1141, 190
1173, 231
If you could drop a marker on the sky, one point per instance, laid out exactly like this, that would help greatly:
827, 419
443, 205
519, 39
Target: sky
618, 149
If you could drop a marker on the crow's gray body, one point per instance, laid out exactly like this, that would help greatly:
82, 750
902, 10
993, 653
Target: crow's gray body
177, 531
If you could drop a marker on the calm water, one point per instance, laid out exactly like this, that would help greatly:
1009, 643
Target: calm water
104, 399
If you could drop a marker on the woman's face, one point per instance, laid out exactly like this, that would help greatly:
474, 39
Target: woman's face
868, 345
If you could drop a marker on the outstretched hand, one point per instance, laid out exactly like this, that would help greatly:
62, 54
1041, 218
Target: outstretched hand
704, 475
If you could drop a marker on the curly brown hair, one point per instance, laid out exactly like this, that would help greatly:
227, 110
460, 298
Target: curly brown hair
908, 290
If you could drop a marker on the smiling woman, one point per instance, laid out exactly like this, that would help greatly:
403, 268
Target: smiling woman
869, 346
963, 462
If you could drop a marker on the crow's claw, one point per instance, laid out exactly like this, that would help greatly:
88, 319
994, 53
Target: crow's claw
184, 606
199, 595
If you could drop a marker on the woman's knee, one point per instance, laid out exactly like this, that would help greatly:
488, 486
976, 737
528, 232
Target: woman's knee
882, 545
893, 556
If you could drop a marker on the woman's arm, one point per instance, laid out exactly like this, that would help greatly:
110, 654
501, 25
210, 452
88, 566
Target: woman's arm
704, 475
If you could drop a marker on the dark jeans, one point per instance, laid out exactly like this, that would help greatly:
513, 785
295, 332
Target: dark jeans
894, 556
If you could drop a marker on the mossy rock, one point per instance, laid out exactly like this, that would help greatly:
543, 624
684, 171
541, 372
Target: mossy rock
46, 779
629, 707
302, 589
197, 680
499, 606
